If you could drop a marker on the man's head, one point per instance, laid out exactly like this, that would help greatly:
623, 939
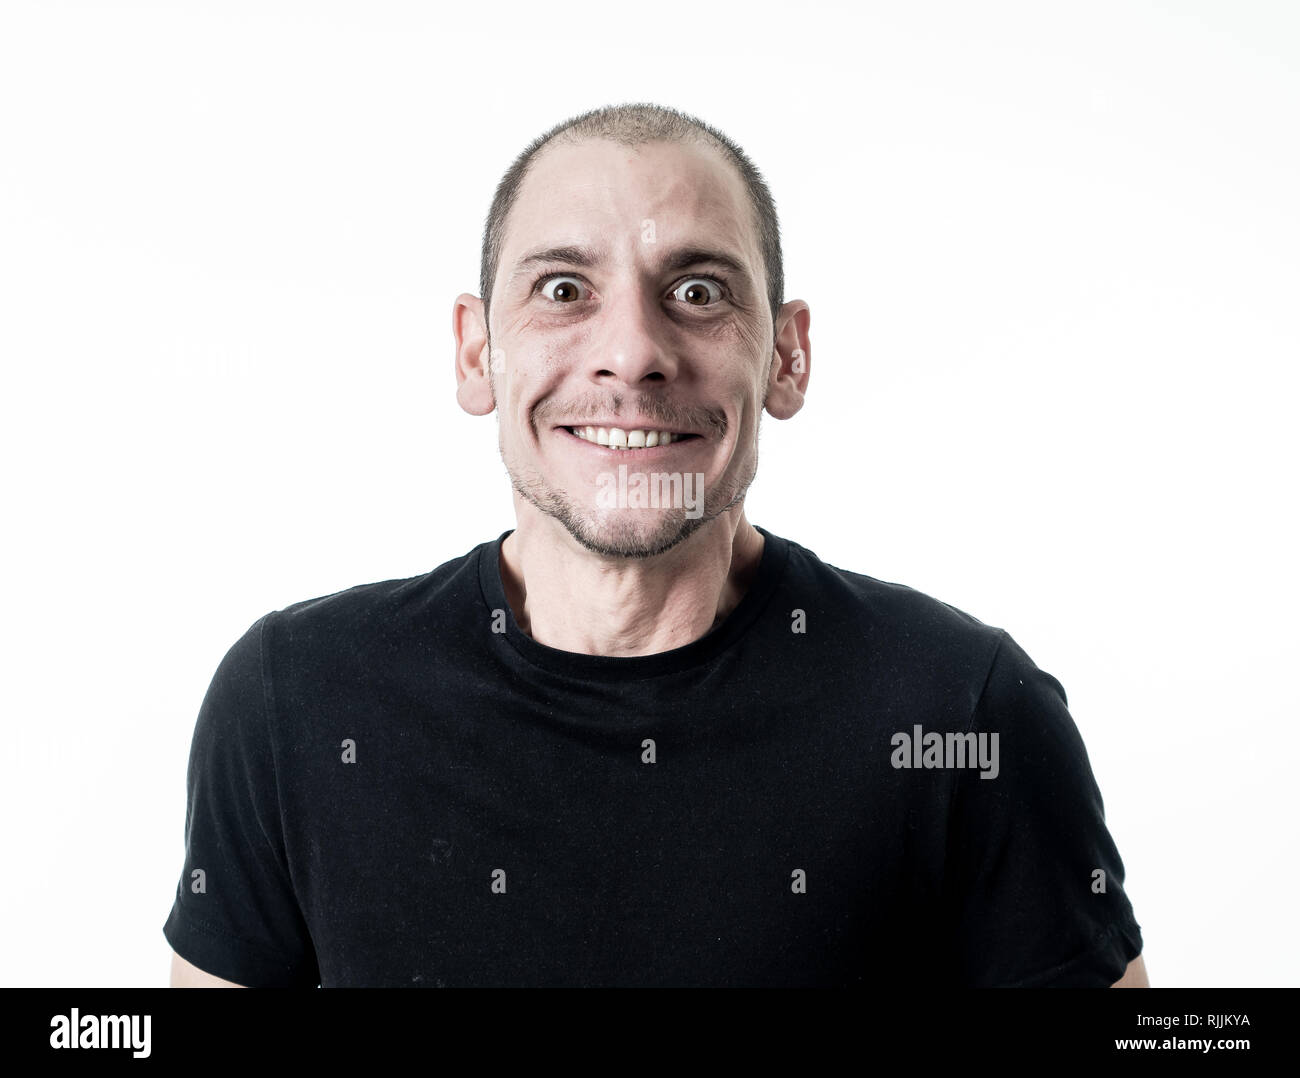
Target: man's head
636, 125
631, 279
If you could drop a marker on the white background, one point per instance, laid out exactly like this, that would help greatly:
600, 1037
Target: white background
1051, 255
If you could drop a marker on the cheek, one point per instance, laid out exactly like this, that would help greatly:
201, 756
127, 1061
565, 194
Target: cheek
526, 378
753, 336
752, 346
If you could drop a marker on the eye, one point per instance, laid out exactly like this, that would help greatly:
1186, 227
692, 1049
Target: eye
561, 289
698, 291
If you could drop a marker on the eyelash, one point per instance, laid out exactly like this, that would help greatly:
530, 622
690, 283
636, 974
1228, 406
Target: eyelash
722, 285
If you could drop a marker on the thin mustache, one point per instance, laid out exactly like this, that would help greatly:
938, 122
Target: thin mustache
656, 410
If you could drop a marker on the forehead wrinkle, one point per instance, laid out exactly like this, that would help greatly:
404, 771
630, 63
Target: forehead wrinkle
721, 242
698, 186
700, 251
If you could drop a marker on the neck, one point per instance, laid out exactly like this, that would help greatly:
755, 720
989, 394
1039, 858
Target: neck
568, 598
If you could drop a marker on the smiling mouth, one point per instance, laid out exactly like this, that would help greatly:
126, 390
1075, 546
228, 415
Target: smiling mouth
619, 438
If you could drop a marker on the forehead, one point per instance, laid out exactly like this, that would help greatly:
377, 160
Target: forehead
600, 193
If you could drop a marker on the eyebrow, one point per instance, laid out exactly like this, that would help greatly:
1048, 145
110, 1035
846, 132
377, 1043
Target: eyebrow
681, 259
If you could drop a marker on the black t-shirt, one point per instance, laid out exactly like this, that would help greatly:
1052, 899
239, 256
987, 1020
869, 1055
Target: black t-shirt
394, 785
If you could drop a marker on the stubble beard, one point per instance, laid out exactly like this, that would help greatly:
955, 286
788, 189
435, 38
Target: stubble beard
620, 537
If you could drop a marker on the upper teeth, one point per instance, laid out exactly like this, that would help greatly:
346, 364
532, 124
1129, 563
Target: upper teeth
617, 438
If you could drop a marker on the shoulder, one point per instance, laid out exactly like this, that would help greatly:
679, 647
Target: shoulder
354, 620
895, 624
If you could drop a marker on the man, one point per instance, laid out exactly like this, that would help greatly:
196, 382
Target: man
637, 740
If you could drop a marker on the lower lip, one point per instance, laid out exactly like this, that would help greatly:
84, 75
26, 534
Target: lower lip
637, 453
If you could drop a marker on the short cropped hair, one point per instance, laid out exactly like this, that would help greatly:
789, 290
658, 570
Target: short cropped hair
634, 125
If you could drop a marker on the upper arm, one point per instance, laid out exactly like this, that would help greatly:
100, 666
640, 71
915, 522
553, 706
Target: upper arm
235, 907
1135, 976
1033, 879
187, 975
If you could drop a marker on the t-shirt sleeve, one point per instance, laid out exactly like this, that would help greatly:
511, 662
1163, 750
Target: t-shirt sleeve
235, 914
1033, 882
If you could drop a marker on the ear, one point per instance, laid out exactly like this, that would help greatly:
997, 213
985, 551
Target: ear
791, 360
473, 374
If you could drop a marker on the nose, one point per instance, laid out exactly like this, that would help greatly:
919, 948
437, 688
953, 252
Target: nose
631, 345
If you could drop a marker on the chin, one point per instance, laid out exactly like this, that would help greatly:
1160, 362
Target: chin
632, 536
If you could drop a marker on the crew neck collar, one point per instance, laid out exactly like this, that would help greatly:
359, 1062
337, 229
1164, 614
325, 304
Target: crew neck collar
617, 668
